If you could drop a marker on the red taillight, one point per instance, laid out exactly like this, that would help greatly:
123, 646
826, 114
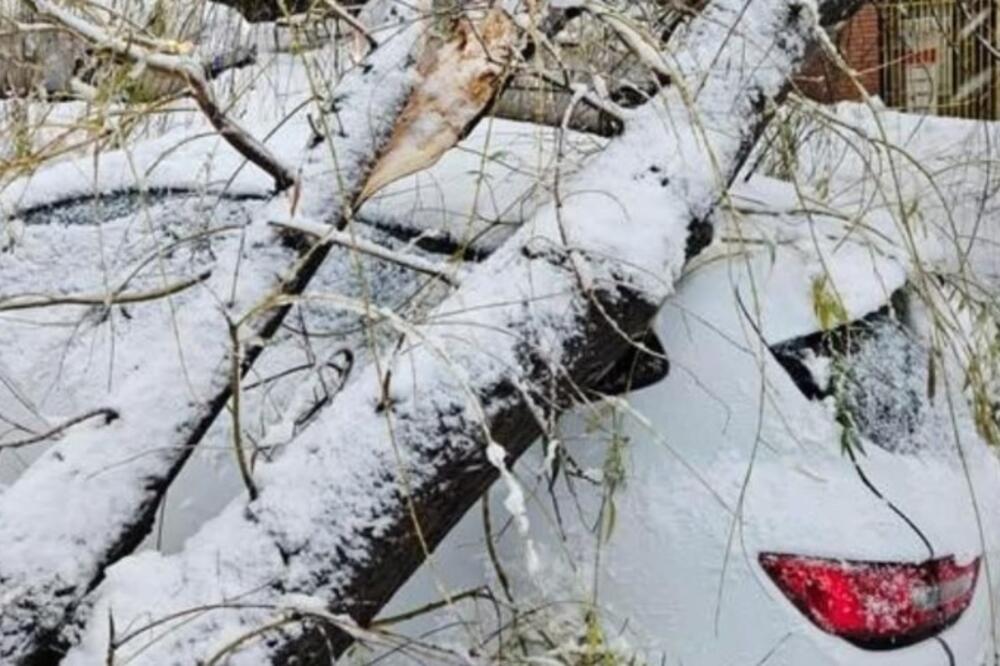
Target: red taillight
875, 605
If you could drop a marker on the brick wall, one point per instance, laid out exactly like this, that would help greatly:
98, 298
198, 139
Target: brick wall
859, 43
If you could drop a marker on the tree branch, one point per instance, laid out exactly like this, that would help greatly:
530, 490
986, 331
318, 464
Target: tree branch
188, 70
12, 303
108, 414
325, 233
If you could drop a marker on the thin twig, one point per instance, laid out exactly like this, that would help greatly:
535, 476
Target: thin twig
235, 377
108, 414
329, 234
337, 10
31, 302
474, 593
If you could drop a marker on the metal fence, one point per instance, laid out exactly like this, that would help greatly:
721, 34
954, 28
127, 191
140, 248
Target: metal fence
940, 56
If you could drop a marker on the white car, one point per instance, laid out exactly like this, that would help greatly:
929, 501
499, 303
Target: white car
784, 496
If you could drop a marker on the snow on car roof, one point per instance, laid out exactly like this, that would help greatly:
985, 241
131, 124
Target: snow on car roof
794, 260
486, 187
453, 199
483, 189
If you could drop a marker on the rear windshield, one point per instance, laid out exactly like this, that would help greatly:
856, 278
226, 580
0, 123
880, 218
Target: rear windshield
875, 371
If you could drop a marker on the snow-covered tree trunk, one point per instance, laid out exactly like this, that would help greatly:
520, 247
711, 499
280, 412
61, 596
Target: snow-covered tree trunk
347, 513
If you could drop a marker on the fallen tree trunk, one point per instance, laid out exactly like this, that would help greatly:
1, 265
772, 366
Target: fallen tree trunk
552, 97
406, 84
528, 99
354, 505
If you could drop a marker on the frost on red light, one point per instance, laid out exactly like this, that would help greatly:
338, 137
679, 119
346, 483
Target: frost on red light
875, 605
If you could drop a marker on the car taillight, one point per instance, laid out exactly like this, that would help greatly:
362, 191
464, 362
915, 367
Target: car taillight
875, 605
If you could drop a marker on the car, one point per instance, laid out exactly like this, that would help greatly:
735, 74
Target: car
802, 487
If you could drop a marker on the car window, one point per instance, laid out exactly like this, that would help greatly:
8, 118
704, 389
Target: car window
874, 371
92, 210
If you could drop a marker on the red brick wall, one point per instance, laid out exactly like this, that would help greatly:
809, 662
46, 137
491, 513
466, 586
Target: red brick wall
859, 44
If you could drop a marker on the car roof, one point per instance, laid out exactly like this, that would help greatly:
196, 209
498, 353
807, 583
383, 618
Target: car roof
790, 273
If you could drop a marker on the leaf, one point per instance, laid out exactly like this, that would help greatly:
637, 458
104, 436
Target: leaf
829, 309
458, 80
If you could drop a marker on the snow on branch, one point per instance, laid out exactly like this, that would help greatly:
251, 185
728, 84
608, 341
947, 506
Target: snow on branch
326, 233
422, 433
550, 95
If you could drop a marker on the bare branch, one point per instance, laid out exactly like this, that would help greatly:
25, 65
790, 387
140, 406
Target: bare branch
108, 414
12, 303
338, 10
188, 70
